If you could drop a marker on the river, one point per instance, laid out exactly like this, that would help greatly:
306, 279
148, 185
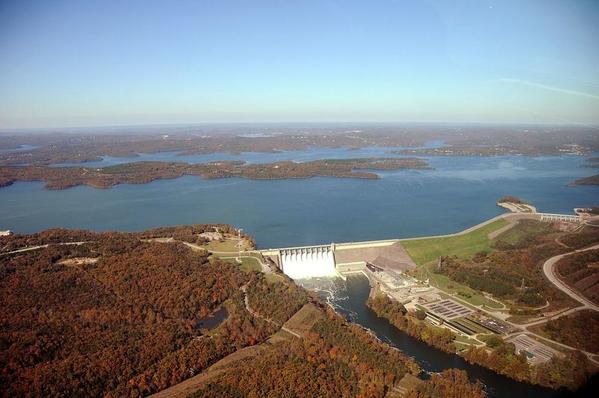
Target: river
349, 299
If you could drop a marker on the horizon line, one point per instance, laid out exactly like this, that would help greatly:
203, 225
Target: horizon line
299, 123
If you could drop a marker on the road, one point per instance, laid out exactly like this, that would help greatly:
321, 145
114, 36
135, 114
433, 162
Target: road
266, 268
511, 218
194, 383
26, 249
550, 272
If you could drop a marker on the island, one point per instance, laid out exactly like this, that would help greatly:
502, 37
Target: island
145, 172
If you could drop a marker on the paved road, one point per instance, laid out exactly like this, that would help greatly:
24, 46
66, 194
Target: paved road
26, 249
550, 272
509, 217
549, 318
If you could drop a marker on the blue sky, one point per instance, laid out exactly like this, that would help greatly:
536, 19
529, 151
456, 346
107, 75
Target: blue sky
86, 63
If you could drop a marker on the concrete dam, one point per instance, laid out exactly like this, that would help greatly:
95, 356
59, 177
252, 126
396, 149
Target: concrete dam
339, 259
308, 262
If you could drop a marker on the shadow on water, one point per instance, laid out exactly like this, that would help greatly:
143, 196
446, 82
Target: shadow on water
349, 298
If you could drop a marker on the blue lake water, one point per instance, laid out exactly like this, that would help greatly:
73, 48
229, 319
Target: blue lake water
457, 193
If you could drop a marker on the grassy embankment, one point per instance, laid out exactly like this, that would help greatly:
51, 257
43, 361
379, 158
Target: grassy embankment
249, 261
226, 245
250, 264
525, 230
426, 251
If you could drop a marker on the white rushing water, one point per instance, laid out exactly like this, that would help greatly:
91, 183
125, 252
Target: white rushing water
308, 262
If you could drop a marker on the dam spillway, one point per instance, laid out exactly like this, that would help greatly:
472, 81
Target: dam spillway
308, 262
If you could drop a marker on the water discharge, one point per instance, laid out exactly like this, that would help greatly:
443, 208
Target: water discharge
308, 262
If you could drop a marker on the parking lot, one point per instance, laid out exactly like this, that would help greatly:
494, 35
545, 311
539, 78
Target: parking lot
449, 309
536, 351
495, 325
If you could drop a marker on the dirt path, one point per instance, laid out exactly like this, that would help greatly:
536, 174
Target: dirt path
189, 386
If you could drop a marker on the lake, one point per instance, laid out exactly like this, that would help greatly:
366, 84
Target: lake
457, 193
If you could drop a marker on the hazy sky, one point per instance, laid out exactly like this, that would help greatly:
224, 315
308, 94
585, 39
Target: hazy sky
85, 63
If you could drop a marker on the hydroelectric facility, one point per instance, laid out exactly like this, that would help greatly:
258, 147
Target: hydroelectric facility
308, 262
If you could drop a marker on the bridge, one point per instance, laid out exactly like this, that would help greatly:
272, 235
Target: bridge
559, 217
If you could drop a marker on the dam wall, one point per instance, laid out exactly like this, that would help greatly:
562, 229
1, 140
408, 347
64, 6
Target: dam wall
308, 262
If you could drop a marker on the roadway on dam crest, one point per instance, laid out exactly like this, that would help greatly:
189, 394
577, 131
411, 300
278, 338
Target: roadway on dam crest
512, 218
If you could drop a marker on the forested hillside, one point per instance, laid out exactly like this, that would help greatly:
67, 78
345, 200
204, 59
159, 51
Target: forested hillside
336, 359
82, 320
581, 271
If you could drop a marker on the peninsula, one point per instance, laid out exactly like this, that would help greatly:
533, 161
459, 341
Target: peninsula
592, 180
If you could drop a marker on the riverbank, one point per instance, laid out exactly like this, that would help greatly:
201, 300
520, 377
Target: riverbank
570, 371
449, 323
349, 299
